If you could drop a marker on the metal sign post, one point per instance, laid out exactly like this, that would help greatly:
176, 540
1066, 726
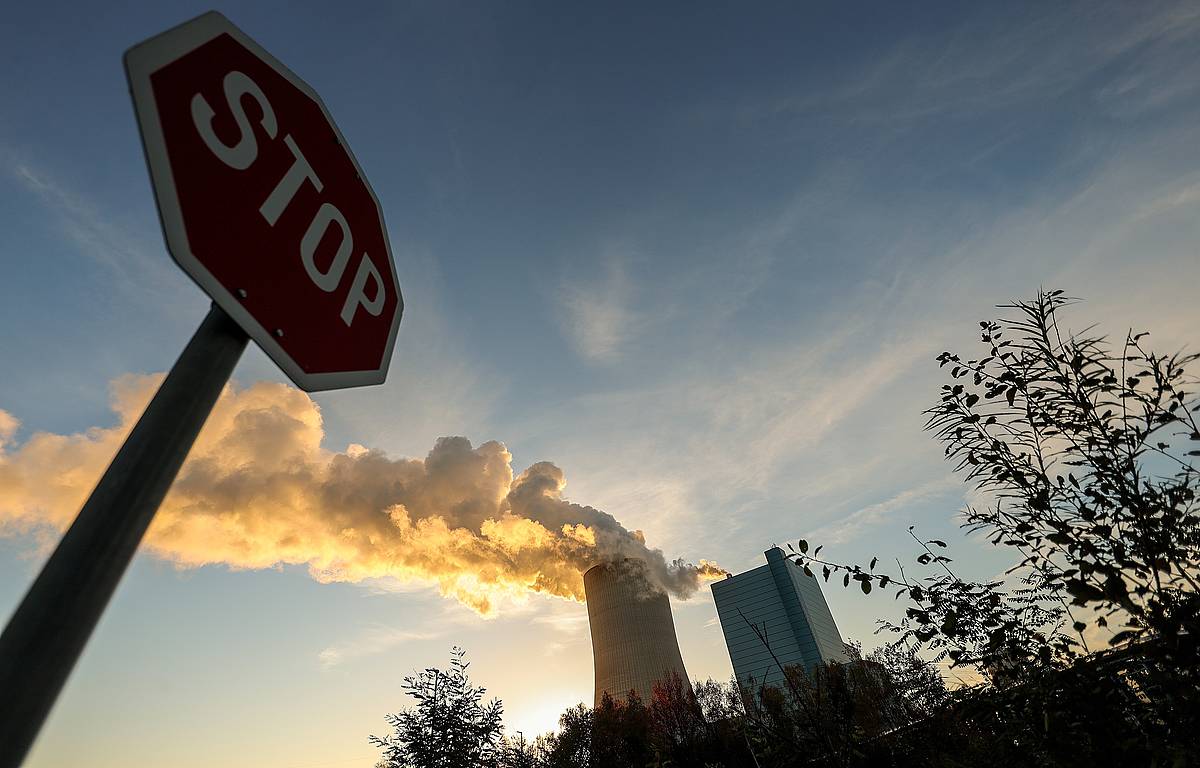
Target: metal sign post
265, 207
45, 636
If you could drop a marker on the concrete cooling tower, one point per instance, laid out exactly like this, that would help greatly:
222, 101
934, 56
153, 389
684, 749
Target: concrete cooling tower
633, 635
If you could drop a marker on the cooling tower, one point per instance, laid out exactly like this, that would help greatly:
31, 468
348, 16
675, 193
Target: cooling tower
633, 635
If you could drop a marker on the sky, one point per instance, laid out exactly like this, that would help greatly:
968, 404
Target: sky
699, 256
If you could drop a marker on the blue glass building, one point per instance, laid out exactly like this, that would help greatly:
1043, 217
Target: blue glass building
788, 608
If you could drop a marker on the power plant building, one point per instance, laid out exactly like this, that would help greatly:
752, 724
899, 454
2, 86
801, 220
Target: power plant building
633, 635
787, 606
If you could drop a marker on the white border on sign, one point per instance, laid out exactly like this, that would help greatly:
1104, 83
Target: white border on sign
148, 57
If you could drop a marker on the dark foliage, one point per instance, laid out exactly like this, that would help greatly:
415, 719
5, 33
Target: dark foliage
678, 727
829, 715
450, 727
826, 716
1085, 451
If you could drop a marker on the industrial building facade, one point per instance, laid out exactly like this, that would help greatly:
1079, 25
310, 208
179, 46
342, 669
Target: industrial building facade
788, 607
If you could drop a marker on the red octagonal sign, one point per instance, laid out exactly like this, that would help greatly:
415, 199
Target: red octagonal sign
264, 205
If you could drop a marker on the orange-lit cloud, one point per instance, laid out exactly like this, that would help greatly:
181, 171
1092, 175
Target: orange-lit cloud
258, 490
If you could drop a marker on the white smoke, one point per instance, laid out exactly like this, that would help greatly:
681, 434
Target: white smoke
258, 490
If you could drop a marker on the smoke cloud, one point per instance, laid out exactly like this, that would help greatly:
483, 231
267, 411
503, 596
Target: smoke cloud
259, 491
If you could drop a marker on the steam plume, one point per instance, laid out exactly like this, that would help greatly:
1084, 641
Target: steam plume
258, 490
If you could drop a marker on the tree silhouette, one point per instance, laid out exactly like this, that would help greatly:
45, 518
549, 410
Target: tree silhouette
1084, 451
450, 726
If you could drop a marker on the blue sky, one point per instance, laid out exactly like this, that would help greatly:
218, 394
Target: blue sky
701, 256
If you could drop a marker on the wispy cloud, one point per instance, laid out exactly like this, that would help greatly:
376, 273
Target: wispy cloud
370, 641
1130, 59
137, 261
568, 622
684, 455
598, 316
696, 440
884, 512
8, 427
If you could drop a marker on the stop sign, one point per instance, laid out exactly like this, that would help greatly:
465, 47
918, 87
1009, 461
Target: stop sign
264, 205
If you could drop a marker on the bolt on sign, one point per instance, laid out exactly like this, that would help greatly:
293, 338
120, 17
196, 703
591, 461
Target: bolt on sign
264, 205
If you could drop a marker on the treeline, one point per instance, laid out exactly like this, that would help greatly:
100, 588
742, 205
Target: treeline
825, 714
891, 708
